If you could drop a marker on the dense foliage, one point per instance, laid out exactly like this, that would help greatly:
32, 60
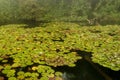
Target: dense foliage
86, 11
31, 53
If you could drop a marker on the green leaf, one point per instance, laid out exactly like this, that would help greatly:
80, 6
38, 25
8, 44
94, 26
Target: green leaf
12, 78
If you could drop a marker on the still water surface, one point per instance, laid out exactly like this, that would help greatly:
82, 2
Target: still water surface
83, 71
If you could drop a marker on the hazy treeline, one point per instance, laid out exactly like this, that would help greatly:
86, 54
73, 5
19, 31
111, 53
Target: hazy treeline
87, 11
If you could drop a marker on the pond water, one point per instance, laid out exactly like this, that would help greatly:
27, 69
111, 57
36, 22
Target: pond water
83, 71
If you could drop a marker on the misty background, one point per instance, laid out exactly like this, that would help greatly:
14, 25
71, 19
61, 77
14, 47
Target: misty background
86, 12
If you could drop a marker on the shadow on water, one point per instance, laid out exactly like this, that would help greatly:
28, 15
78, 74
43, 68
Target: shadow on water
29, 23
32, 23
87, 70
115, 75
82, 71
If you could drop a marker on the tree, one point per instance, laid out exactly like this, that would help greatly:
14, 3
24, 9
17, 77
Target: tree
91, 12
104, 11
30, 10
8, 10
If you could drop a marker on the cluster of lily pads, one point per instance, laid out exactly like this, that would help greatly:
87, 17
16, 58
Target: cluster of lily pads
31, 53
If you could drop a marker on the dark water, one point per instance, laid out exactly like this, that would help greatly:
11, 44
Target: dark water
83, 71
87, 70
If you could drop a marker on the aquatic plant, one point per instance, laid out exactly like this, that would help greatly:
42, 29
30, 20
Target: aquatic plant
31, 53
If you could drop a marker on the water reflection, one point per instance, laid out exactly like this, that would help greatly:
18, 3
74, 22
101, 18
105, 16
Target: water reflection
83, 71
